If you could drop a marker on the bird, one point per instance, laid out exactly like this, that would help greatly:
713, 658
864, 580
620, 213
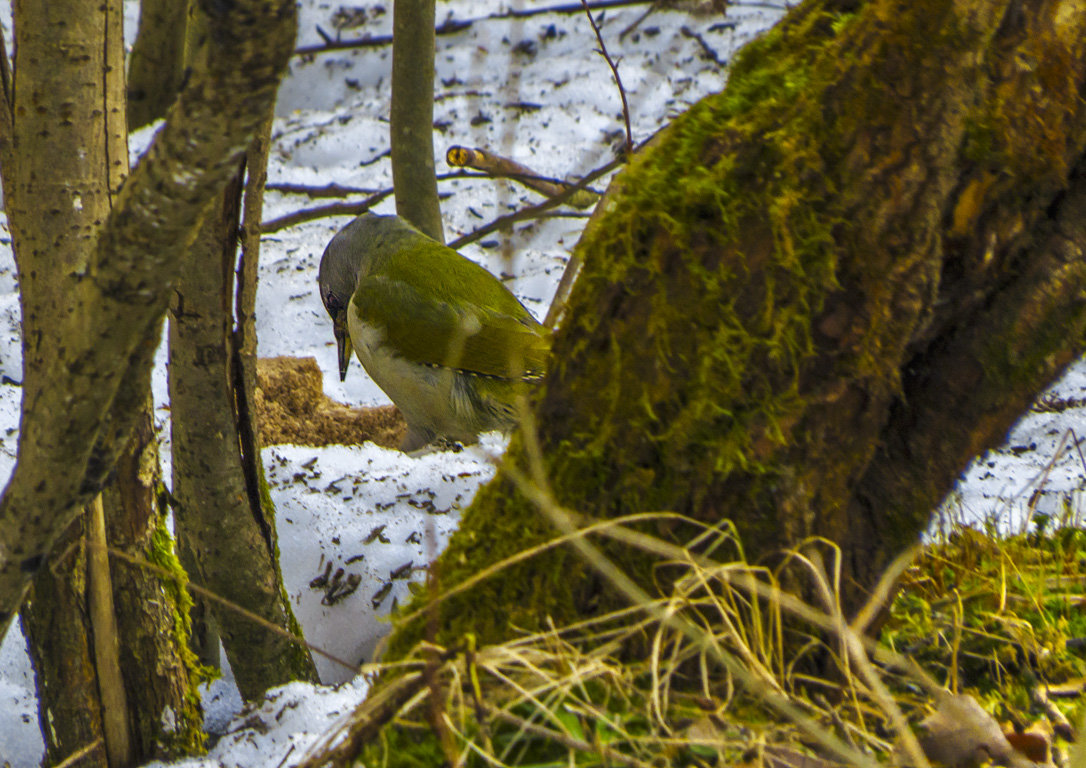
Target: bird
448, 343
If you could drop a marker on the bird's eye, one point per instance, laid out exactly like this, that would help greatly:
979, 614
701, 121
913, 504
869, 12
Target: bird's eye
332, 303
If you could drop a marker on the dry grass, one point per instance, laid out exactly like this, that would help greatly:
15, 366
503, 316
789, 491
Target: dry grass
719, 670
709, 675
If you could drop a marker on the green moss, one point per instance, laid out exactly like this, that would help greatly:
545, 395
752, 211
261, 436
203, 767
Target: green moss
746, 167
301, 661
731, 218
188, 736
776, 296
522, 596
696, 201
993, 615
403, 747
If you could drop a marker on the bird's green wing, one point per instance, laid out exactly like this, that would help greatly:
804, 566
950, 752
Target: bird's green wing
446, 275
456, 332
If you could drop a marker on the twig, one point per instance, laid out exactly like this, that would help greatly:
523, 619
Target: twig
381, 705
533, 211
602, 5
497, 166
323, 211
1072, 521
1060, 724
1041, 478
366, 721
284, 760
636, 22
75, 757
450, 27
336, 209
186, 584
328, 190
569, 276
453, 26
614, 71
691, 34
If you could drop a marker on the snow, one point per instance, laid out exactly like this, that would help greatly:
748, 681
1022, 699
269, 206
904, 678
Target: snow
1039, 470
375, 513
279, 729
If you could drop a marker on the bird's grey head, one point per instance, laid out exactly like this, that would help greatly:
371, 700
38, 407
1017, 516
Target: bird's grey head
349, 253
355, 248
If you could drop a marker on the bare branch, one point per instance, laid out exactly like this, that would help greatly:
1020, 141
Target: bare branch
709, 52
614, 71
326, 190
497, 166
452, 26
534, 211
324, 211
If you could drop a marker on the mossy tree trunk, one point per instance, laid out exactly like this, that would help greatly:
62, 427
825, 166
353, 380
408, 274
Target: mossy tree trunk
225, 517
152, 612
412, 116
809, 302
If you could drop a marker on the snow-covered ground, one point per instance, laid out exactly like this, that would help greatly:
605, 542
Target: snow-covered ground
531, 88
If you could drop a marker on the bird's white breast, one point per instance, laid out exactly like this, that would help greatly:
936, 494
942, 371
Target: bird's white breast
432, 398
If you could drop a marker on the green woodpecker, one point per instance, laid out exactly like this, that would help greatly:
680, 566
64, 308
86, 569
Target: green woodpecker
445, 340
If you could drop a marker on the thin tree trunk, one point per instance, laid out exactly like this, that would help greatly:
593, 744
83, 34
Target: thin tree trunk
156, 66
166, 721
94, 284
224, 517
163, 718
412, 116
73, 36
144, 708
69, 705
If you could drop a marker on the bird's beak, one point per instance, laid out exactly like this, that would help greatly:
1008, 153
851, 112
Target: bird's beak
343, 342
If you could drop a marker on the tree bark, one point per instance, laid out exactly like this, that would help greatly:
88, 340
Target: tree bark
412, 116
809, 303
70, 709
803, 308
57, 620
152, 612
86, 339
90, 634
106, 641
156, 66
224, 515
